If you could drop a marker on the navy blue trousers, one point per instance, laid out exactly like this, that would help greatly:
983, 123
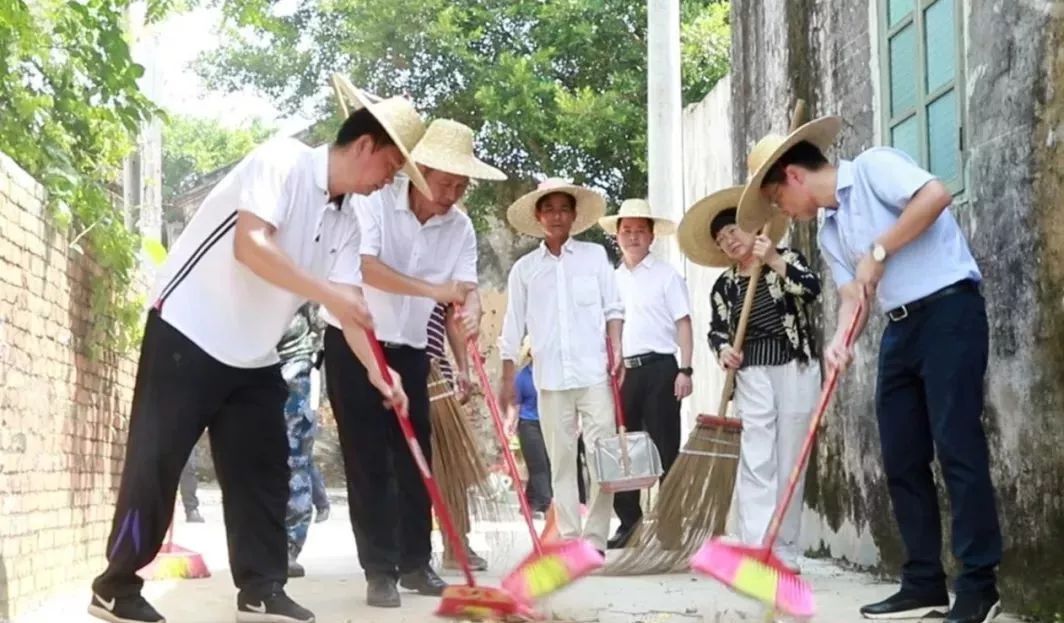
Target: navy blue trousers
929, 400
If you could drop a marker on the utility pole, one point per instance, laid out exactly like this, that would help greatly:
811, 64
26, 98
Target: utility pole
664, 131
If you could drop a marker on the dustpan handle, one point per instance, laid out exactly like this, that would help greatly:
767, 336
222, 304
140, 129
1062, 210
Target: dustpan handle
496, 417
442, 512
626, 463
807, 446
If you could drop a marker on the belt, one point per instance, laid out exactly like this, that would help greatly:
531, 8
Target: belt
395, 345
901, 313
641, 360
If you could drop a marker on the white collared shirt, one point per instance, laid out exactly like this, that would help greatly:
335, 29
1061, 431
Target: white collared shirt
563, 304
442, 249
655, 297
219, 303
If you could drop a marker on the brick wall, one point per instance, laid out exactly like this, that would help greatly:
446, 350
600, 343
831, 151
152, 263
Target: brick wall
63, 417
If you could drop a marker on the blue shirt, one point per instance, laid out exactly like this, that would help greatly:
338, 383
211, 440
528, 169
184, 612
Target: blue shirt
872, 190
525, 389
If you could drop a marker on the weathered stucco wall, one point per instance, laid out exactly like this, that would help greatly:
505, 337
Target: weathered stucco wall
1014, 75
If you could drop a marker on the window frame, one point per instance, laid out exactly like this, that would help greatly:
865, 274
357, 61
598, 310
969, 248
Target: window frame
924, 98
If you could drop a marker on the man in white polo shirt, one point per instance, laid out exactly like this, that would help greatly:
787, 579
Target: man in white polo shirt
657, 323
564, 296
416, 251
270, 236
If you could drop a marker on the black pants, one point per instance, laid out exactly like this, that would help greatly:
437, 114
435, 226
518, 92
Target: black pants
180, 391
649, 400
391, 513
538, 489
929, 398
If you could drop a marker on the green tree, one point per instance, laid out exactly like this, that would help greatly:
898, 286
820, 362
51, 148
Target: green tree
553, 88
194, 146
70, 108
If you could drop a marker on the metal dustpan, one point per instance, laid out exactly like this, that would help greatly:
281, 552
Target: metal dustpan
625, 461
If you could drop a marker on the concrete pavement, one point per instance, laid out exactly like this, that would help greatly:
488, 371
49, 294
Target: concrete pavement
335, 589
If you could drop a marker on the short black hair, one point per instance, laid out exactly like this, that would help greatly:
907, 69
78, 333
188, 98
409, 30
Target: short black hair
650, 221
721, 220
572, 200
360, 123
803, 154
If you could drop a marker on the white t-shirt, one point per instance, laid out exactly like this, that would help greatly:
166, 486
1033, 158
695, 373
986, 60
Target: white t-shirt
219, 303
655, 297
442, 249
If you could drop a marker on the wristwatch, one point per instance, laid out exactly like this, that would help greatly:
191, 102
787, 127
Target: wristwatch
879, 253
688, 371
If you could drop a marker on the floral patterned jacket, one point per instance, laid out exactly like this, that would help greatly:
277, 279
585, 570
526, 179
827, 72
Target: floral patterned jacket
792, 294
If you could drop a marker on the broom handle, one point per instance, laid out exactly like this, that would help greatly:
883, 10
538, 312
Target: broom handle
442, 512
798, 117
807, 446
618, 409
500, 430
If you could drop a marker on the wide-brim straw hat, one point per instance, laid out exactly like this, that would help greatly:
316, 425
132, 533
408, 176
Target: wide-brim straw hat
590, 207
755, 210
695, 239
448, 146
637, 208
397, 116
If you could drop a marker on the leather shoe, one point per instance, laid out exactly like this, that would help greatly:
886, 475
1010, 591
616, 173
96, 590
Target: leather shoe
620, 538
193, 516
322, 515
975, 607
906, 604
381, 592
424, 581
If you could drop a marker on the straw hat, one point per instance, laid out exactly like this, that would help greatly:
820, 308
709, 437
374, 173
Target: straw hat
637, 208
590, 206
397, 116
448, 146
695, 239
755, 210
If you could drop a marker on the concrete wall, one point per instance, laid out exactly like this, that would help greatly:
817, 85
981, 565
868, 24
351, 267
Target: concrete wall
64, 416
827, 53
708, 167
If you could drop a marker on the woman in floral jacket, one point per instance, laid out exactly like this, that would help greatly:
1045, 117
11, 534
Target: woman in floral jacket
778, 376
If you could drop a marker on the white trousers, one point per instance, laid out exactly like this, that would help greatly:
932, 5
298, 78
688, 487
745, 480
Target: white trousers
775, 404
563, 415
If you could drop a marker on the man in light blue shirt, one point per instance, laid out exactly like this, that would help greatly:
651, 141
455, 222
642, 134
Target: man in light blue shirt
887, 233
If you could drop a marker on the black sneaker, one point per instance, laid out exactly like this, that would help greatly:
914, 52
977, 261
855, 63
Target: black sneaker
381, 591
277, 608
908, 605
424, 581
975, 607
620, 538
322, 515
133, 609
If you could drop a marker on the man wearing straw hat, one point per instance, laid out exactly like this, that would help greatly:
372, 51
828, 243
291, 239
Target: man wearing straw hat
272, 235
417, 250
564, 295
657, 324
888, 233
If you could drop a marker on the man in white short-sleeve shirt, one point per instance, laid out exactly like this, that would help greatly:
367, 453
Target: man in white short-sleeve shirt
416, 251
563, 294
270, 236
657, 323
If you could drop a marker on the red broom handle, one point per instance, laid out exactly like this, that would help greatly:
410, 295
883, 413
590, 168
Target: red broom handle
426, 474
807, 447
618, 410
500, 430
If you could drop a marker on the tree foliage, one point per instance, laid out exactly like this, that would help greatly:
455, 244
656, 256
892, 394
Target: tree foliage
194, 146
553, 88
70, 108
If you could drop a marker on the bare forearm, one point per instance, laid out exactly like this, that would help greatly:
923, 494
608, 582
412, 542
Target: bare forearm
921, 212
458, 347
614, 329
685, 338
358, 341
847, 308
257, 250
381, 276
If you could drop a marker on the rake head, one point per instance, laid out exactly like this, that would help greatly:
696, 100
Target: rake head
756, 572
